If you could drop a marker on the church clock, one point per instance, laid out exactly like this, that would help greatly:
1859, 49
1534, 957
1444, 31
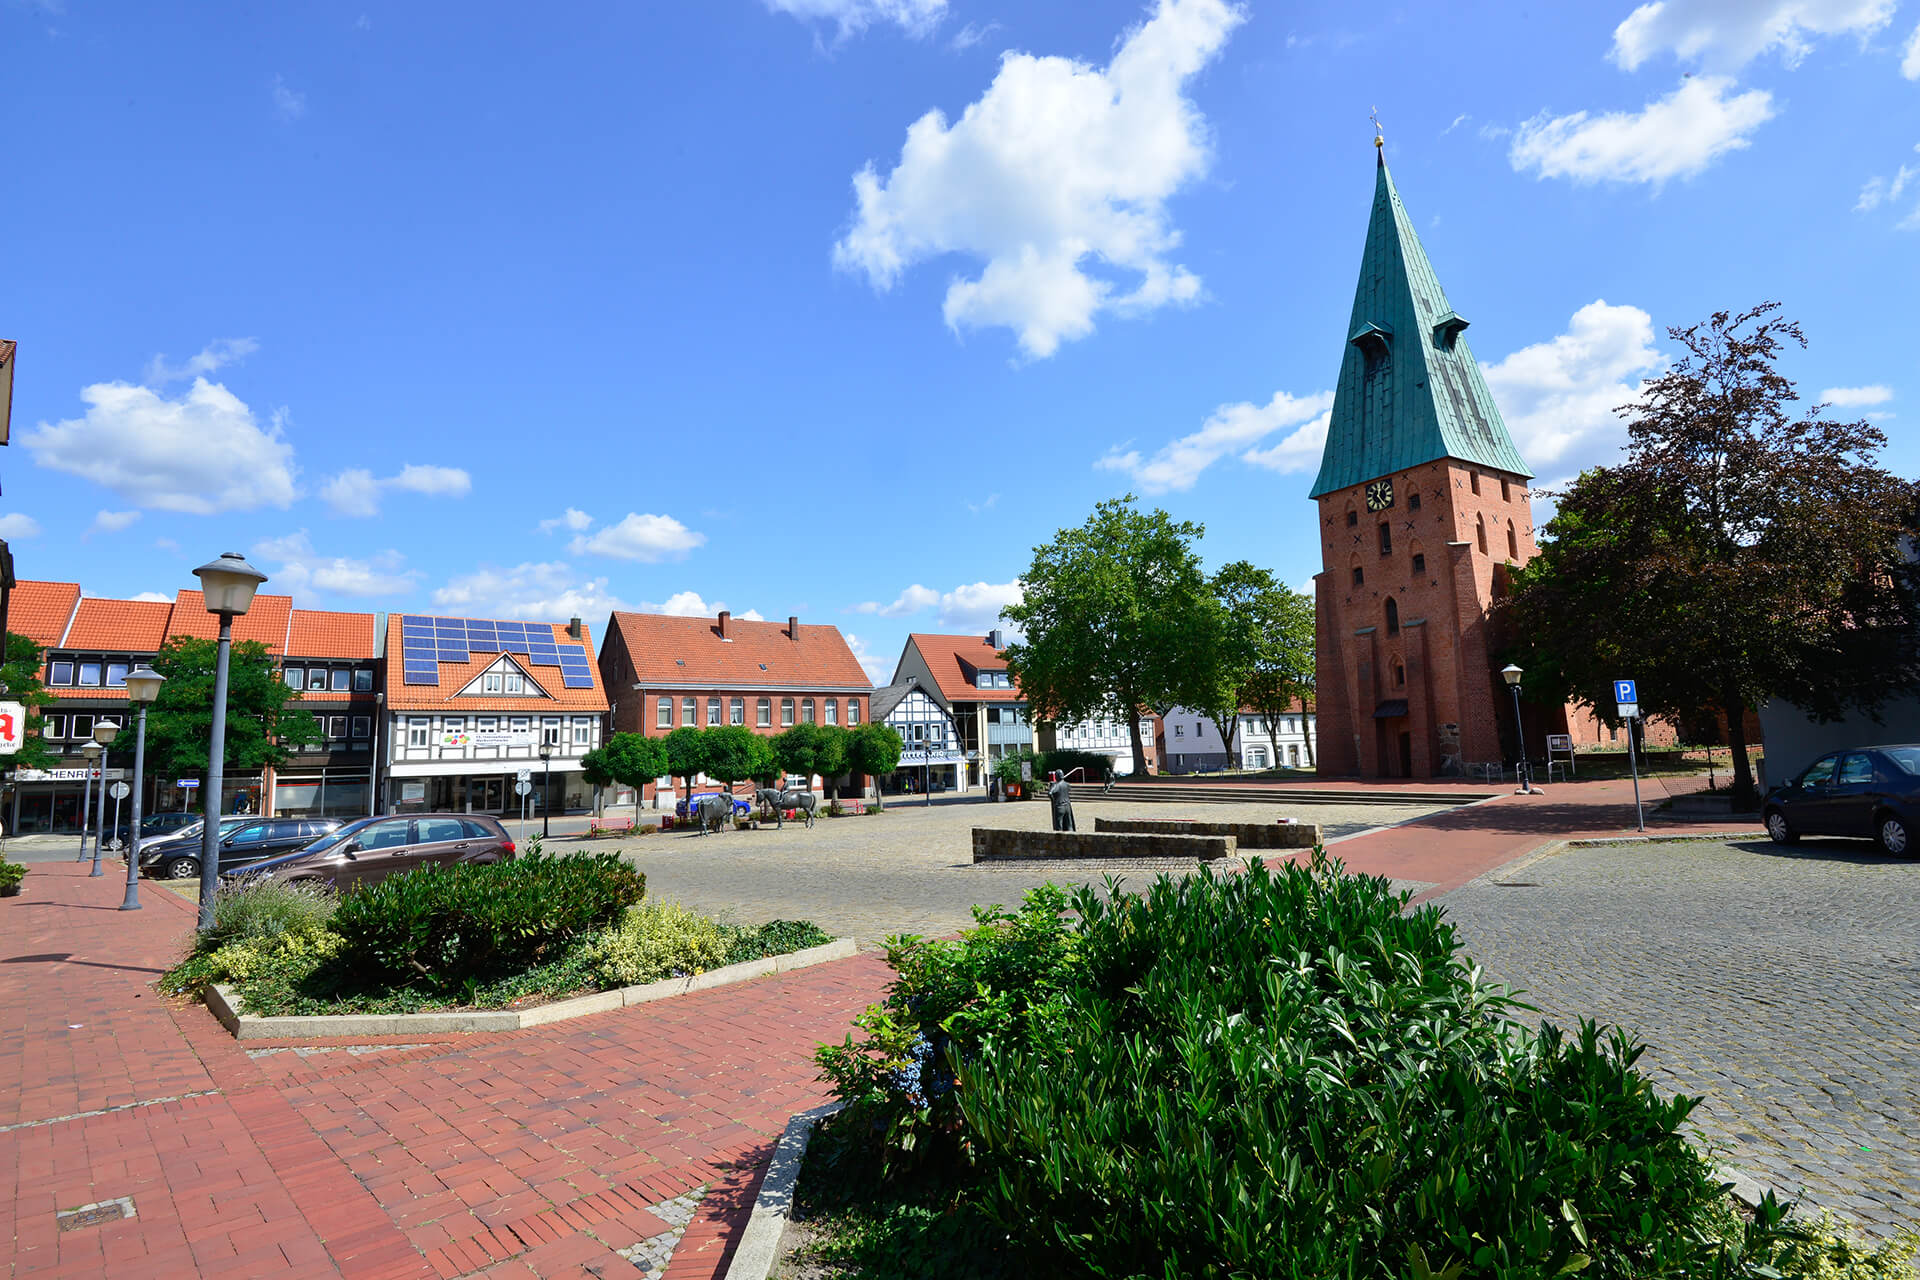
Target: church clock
1380, 495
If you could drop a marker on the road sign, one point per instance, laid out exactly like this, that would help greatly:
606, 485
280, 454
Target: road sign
188, 783
1628, 710
1559, 742
1624, 691
525, 775
13, 727
119, 791
523, 788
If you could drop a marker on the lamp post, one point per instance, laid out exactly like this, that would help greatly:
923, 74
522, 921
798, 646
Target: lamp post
92, 752
143, 686
104, 732
1512, 674
546, 785
228, 585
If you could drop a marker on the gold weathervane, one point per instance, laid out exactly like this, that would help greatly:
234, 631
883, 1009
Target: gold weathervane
1379, 137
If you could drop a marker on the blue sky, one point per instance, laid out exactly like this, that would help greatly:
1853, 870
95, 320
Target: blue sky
838, 307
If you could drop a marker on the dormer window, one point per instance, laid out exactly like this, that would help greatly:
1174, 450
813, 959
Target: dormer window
1447, 331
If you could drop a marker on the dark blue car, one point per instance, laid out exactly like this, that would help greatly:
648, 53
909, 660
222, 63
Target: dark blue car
1872, 792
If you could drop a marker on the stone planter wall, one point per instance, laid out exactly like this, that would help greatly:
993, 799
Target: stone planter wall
992, 844
1249, 835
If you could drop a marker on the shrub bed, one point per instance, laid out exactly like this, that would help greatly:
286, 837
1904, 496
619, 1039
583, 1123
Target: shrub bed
11, 874
475, 937
1280, 1073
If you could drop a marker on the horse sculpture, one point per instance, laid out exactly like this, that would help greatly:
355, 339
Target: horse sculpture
713, 812
780, 801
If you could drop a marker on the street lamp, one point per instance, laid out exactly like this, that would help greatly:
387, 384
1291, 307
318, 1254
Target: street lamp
143, 686
1512, 674
228, 585
546, 785
104, 732
92, 752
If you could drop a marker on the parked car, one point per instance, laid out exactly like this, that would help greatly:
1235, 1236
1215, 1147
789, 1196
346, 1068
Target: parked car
243, 841
155, 826
742, 807
371, 849
1866, 791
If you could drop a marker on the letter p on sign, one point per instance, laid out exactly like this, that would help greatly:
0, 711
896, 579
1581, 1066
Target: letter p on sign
13, 727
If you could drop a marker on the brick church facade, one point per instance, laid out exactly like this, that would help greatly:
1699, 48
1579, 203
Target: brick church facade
1423, 504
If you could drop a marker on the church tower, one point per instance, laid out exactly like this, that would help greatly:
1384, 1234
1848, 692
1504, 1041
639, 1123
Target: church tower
1423, 503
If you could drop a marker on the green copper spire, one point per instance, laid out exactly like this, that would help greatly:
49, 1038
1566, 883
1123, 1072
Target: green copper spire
1410, 390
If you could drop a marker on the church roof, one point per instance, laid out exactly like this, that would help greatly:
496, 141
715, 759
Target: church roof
1410, 391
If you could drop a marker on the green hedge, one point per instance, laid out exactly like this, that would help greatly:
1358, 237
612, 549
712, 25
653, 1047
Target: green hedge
447, 926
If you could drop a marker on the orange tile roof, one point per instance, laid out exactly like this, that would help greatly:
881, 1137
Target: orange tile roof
266, 621
40, 610
670, 650
944, 656
90, 693
321, 634
455, 676
132, 626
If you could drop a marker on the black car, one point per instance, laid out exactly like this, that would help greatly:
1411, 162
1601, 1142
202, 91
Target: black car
155, 826
242, 841
1866, 791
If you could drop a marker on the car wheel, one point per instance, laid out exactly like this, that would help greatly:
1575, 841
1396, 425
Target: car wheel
1779, 829
181, 868
1893, 835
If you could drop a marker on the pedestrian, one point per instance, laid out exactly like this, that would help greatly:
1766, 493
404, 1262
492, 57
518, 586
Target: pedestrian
1060, 795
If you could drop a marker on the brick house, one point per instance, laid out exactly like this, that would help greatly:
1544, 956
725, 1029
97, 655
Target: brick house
665, 671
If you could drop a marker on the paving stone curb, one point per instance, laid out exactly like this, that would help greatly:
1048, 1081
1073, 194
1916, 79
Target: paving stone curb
759, 1246
225, 1004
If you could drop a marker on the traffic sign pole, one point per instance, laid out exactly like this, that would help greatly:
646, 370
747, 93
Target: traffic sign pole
1626, 696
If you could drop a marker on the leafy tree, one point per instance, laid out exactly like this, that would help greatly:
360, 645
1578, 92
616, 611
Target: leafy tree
593, 768
21, 675
264, 727
1738, 554
1116, 615
874, 749
1225, 663
686, 753
736, 753
807, 749
633, 760
1283, 670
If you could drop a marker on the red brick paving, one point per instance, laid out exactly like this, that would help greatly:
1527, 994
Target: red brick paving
531, 1153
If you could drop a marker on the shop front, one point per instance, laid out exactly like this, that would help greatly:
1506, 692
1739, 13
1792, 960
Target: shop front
343, 793
920, 771
495, 793
48, 800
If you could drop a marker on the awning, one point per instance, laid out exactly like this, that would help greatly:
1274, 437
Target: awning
1390, 709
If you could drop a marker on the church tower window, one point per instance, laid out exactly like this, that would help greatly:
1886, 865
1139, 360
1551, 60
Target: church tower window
1393, 616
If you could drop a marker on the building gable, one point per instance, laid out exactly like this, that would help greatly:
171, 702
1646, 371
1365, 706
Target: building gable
505, 678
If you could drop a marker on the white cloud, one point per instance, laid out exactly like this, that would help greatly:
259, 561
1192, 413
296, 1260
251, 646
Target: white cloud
215, 355
1230, 428
1299, 451
1910, 60
287, 104
1883, 190
548, 591
113, 521
572, 518
16, 524
297, 568
915, 17
912, 600
357, 491
1725, 35
971, 607
647, 538
1856, 397
970, 35
160, 597
1058, 170
878, 666
200, 453
1458, 120
1676, 136
1558, 397
684, 604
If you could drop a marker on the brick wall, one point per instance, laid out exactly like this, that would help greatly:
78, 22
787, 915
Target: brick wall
1246, 835
992, 844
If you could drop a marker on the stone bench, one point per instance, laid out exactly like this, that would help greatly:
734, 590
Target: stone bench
994, 844
1248, 835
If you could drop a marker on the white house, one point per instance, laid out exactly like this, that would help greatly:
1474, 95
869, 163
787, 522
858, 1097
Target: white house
1189, 742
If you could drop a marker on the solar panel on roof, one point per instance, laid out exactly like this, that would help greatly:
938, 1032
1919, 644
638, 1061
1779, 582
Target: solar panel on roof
577, 682
410, 619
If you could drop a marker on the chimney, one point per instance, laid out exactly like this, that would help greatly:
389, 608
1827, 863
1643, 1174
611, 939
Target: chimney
793, 626
995, 640
573, 627
725, 616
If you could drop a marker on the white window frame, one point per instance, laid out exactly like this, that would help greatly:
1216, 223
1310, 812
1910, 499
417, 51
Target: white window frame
737, 711
832, 711
690, 712
713, 713
417, 730
786, 713
853, 712
582, 732
763, 713
806, 711
663, 713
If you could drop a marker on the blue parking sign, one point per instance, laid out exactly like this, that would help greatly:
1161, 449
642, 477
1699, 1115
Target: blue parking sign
1624, 691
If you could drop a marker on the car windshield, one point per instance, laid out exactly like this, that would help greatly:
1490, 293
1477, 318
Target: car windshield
194, 829
329, 840
1906, 759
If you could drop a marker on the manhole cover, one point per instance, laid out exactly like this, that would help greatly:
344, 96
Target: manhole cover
95, 1215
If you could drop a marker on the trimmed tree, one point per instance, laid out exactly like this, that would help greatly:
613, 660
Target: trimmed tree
593, 768
265, 726
874, 750
735, 753
807, 749
1116, 618
633, 760
1283, 670
1739, 553
686, 754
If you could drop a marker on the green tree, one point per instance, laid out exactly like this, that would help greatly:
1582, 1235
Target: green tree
264, 724
686, 753
1283, 669
735, 753
1226, 661
874, 750
1115, 615
633, 760
1739, 553
21, 675
593, 768
807, 749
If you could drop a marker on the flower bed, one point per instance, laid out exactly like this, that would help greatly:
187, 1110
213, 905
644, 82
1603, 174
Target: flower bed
1279, 1073
507, 936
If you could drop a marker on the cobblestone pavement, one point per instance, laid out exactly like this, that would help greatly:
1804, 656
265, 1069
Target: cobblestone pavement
1780, 985
910, 870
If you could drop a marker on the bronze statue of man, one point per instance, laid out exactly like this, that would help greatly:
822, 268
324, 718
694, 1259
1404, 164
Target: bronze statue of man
1060, 795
